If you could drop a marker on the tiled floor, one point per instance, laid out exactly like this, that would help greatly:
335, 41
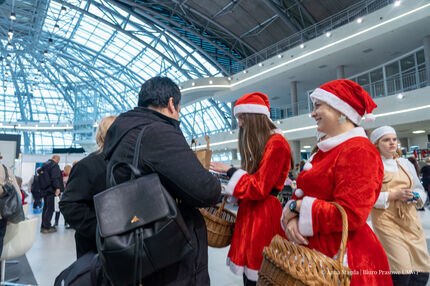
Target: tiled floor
51, 253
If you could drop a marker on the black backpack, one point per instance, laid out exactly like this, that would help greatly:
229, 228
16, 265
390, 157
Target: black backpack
139, 227
86, 271
44, 177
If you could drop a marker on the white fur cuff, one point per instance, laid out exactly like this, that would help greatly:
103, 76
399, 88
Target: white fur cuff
233, 181
305, 218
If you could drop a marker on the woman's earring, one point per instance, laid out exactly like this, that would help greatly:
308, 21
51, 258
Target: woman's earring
342, 119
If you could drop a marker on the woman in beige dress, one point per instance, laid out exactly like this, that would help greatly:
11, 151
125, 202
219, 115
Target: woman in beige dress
394, 216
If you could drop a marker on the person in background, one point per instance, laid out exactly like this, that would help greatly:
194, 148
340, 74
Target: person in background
87, 178
65, 175
34, 188
302, 164
295, 172
346, 169
265, 162
394, 217
3, 222
414, 162
425, 172
50, 180
24, 195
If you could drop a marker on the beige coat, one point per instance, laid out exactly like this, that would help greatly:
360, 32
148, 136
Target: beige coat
399, 229
12, 177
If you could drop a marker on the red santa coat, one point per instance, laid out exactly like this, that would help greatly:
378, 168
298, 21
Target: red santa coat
348, 170
259, 213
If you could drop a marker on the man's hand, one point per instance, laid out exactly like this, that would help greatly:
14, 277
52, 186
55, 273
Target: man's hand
57, 192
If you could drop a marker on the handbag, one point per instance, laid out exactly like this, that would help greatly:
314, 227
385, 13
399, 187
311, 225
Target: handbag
203, 155
10, 203
139, 227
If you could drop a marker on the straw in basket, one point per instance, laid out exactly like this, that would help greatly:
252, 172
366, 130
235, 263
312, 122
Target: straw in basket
220, 225
285, 263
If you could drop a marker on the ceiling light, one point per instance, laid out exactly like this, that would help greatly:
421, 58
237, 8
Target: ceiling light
307, 147
279, 56
45, 53
245, 71
63, 9
10, 33
229, 78
193, 84
6, 75
302, 46
231, 132
211, 82
418, 131
279, 121
9, 46
260, 64
396, 3
50, 40
12, 16
328, 34
400, 96
56, 26
360, 20
303, 151
8, 57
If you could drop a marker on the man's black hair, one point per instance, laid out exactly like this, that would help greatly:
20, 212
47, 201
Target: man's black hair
156, 92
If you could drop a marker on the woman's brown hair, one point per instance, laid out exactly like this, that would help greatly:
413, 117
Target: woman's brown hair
253, 136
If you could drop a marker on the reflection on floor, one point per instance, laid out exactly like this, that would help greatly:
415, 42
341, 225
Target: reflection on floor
51, 253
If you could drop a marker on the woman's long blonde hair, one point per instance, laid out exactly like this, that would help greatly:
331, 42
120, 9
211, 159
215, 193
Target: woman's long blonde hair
253, 136
104, 125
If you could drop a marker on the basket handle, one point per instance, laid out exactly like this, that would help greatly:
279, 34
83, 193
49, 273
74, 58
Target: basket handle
344, 239
218, 213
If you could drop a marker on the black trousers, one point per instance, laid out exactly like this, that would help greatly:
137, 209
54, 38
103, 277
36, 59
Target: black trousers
414, 279
247, 282
48, 210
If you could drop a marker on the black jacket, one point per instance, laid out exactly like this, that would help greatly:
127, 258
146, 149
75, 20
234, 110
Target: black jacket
55, 177
87, 178
165, 151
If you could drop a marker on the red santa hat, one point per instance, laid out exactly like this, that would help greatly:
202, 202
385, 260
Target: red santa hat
255, 102
347, 97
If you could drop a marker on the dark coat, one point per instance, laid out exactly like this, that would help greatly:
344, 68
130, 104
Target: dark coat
55, 177
165, 151
87, 178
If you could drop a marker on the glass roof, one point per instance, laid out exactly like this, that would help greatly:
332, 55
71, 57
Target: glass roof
81, 60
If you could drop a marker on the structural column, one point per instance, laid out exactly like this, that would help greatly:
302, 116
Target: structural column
340, 72
293, 89
295, 150
427, 55
233, 119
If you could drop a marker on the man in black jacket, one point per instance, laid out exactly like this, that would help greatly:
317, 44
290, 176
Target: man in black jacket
165, 151
52, 188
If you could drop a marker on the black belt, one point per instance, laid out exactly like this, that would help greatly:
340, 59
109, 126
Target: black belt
274, 192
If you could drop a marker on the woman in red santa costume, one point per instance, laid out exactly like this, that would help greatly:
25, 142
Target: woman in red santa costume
394, 216
265, 162
348, 170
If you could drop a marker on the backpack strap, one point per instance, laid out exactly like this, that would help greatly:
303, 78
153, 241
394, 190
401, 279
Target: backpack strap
135, 172
6, 174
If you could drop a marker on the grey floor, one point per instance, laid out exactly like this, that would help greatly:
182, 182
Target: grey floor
51, 253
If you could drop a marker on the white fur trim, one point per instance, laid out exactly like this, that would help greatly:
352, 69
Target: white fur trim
332, 142
336, 103
299, 193
381, 131
277, 131
305, 218
382, 201
229, 189
369, 117
307, 166
251, 274
251, 108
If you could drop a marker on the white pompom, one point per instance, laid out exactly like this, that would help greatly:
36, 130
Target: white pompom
307, 166
299, 193
370, 117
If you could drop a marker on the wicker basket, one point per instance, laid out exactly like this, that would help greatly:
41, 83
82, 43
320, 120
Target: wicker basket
220, 225
285, 263
203, 155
